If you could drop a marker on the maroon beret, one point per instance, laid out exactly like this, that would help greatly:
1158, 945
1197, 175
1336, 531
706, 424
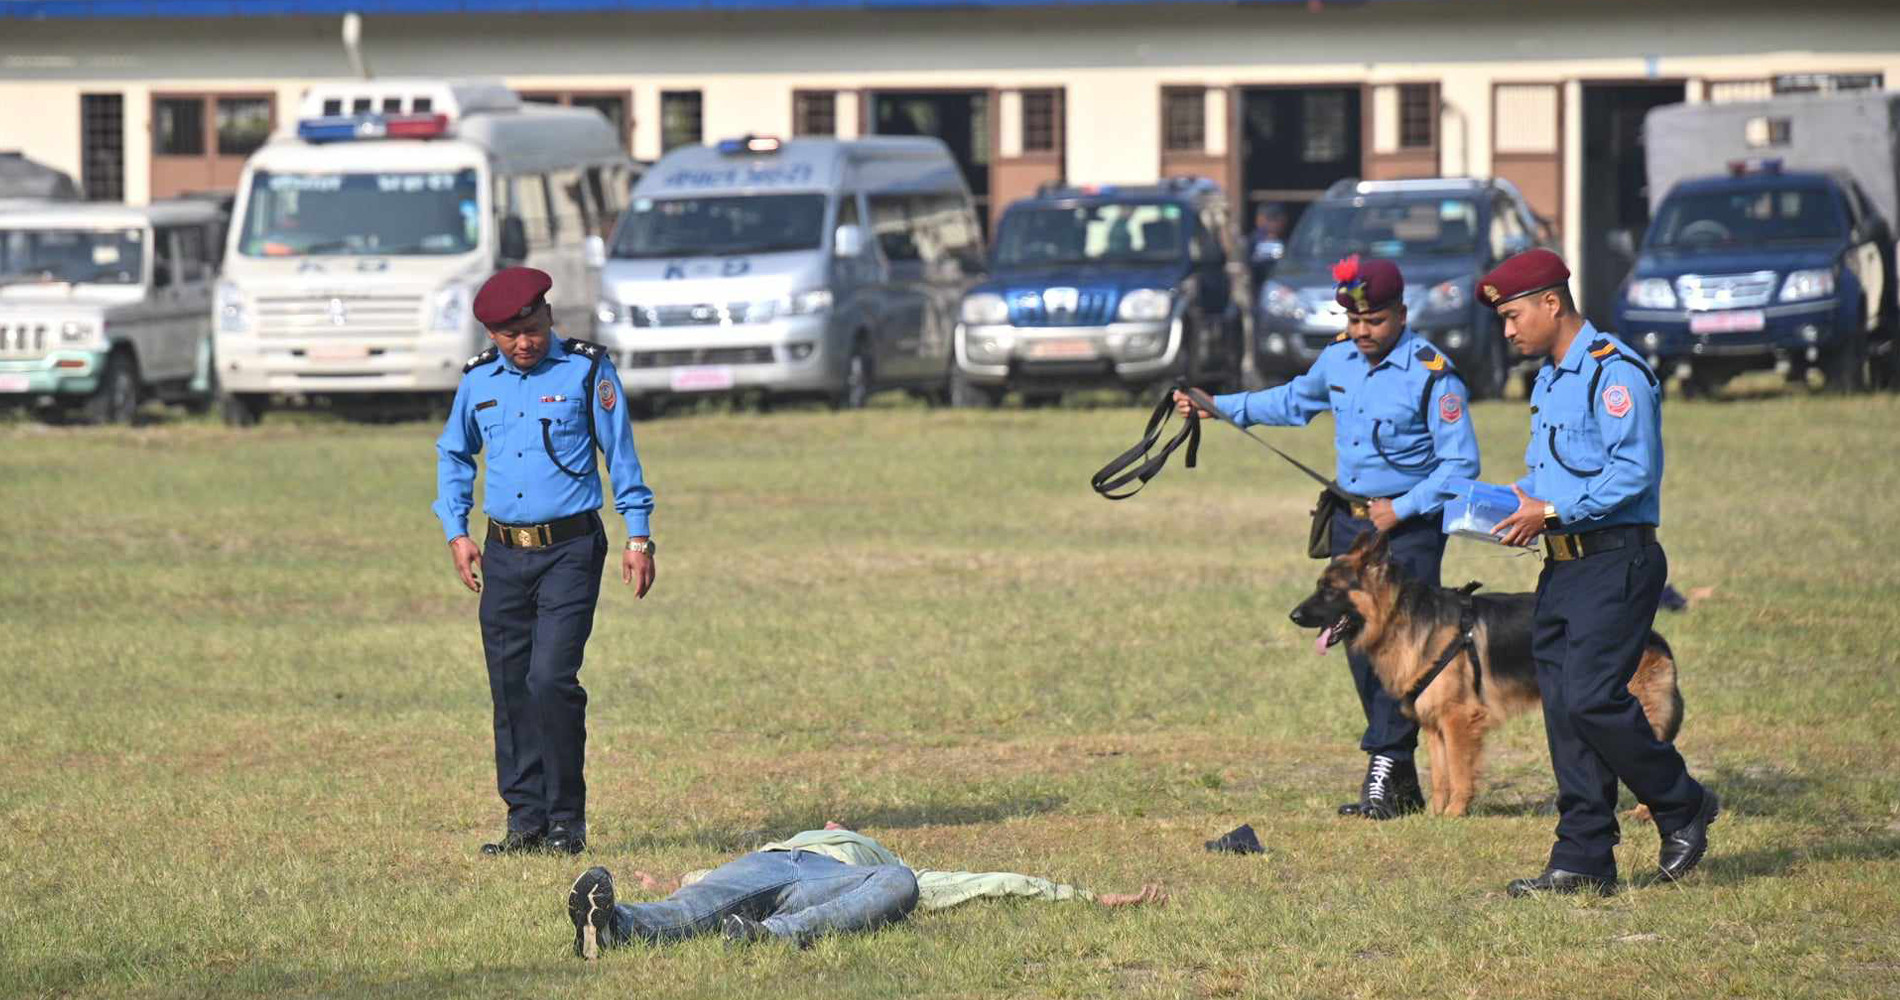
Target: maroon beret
1531, 271
1367, 285
511, 294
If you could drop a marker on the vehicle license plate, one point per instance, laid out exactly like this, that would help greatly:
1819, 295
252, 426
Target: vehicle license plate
13, 383
1741, 321
1063, 350
337, 352
702, 379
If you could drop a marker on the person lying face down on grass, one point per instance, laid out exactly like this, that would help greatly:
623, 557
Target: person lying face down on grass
829, 881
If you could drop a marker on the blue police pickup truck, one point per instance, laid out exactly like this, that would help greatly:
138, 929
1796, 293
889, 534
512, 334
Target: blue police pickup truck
1105, 286
1771, 240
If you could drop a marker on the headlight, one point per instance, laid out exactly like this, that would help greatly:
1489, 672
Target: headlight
985, 309
449, 313
232, 316
606, 312
1282, 301
1445, 297
1818, 284
75, 331
1145, 305
797, 304
1651, 293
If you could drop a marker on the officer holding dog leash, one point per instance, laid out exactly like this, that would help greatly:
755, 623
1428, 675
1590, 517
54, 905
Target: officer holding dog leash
539, 405
1594, 494
1401, 427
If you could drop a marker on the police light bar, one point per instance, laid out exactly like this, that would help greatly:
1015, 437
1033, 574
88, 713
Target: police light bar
1754, 165
348, 128
748, 144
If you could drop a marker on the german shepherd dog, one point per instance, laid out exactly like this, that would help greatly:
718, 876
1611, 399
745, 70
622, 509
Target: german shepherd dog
1404, 626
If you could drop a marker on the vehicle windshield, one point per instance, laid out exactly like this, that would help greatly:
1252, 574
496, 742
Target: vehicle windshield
1126, 233
1720, 218
75, 256
1392, 228
427, 213
701, 227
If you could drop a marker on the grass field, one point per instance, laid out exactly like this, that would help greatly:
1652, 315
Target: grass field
246, 748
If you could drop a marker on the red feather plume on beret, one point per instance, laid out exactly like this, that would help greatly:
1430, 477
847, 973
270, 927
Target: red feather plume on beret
1346, 271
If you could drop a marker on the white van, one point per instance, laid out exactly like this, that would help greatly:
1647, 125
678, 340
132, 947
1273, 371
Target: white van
361, 236
816, 267
103, 306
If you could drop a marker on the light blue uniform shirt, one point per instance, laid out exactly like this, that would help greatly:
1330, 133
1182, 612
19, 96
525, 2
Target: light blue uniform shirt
1597, 455
1388, 446
500, 409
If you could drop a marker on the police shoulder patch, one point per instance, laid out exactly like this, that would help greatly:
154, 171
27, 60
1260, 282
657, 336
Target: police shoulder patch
1601, 348
1617, 401
1451, 407
607, 395
480, 359
588, 348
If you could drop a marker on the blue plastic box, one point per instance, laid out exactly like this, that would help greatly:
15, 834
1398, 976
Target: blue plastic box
1475, 508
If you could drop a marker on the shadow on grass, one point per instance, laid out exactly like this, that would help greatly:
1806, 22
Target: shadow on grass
786, 824
1778, 862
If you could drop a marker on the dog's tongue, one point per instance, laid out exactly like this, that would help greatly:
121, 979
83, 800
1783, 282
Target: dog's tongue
1324, 642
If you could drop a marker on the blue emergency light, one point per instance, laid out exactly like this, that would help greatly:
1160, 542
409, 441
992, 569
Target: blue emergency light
1754, 165
748, 144
349, 128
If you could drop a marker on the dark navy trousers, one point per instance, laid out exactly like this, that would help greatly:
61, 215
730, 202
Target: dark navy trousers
1592, 620
537, 611
1417, 546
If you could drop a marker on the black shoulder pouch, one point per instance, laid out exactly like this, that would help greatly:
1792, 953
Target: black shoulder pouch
1319, 541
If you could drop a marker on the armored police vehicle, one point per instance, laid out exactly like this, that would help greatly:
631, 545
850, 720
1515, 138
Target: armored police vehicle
102, 306
1443, 233
1771, 242
363, 232
808, 267
1106, 286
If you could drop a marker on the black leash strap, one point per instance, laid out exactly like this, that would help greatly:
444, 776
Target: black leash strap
1466, 640
1205, 402
1118, 474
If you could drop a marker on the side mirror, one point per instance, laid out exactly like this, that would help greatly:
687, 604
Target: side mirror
514, 239
594, 249
1622, 243
848, 242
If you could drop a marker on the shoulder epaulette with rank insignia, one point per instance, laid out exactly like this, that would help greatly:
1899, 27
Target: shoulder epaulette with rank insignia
1342, 338
586, 348
1434, 362
1601, 348
480, 359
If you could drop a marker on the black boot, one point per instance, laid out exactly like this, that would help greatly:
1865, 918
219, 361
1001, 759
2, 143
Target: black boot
1682, 849
1557, 882
1390, 790
516, 842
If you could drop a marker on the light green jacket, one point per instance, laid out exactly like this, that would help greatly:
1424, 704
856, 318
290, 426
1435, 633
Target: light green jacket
936, 890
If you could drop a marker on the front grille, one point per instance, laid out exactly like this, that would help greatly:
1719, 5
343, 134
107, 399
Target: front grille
1701, 292
1062, 306
697, 314
700, 356
24, 340
340, 315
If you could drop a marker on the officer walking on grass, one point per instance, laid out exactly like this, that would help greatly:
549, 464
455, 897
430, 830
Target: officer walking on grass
539, 405
1594, 494
1401, 428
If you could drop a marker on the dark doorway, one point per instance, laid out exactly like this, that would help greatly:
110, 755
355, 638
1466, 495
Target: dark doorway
1615, 187
1295, 142
961, 118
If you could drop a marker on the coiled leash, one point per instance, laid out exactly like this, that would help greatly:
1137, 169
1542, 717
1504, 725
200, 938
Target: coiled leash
1116, 474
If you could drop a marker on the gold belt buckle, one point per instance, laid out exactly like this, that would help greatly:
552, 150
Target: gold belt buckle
1362, 511
524, 538
1563, 548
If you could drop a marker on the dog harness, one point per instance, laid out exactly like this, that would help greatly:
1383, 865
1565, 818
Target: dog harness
1466, 640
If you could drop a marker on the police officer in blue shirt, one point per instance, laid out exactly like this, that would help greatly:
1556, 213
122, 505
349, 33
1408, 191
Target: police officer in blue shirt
1593, 493
539, 405
1401, 427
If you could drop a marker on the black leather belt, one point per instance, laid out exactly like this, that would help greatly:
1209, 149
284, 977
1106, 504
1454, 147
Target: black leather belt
540, 536
1564, 548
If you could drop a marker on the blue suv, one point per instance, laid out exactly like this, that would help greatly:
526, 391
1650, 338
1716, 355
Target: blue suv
1105, 286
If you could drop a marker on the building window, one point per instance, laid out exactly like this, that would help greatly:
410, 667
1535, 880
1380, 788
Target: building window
815, 112
1184, 119
243, 124
178, 126
1827, 83
1041, 121
1323, 115
682, 114
1418, 116
102, 146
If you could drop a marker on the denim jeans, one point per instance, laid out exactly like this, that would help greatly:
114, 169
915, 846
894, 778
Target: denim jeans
795, 894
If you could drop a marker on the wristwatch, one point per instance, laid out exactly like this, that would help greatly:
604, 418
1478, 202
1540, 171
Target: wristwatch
644, 547
1550, 517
